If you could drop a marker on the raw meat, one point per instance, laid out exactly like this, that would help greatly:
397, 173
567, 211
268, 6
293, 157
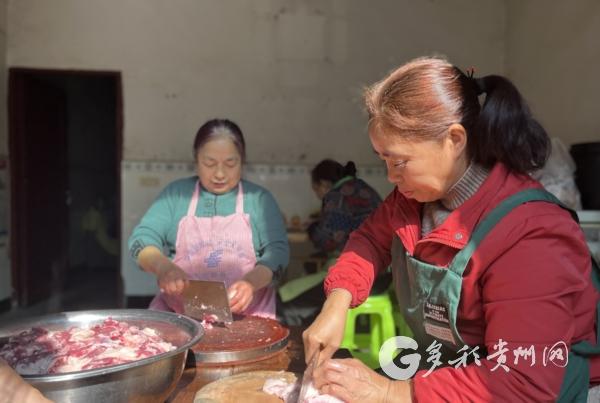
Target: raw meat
288, 392
313, 396
280, 387
38, 351
208, 320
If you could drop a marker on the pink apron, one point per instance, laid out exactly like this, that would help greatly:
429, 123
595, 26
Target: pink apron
217, 248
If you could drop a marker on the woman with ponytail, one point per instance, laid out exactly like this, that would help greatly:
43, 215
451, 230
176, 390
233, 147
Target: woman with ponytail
346, 203
492, 274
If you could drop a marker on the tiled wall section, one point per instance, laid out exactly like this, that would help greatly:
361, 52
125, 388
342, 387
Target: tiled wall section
290, 184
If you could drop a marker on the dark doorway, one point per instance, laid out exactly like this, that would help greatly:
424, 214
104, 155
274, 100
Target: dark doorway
65, 153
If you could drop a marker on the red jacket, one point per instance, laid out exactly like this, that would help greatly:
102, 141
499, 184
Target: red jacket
528, 284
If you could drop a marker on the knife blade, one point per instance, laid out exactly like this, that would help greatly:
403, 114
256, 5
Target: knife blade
207, 300
307, 378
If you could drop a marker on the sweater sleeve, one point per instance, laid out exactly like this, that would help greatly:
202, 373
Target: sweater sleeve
528, 303
273, 250
155, 224
366, 253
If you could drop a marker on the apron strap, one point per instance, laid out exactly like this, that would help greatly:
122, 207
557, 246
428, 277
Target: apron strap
239, 201
459, 263
194, 201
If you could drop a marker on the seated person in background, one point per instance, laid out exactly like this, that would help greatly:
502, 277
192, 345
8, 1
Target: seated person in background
214, 226
346, 202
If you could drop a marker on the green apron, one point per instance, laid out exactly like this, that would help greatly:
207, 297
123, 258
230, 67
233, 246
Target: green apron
429, 295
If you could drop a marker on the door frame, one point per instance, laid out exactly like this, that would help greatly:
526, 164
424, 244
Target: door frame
17, 247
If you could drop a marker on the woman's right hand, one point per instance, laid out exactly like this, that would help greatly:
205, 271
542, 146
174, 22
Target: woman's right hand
327, 331
172, 280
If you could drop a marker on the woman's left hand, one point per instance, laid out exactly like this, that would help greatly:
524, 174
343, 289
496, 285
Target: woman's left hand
352, 381
241, 294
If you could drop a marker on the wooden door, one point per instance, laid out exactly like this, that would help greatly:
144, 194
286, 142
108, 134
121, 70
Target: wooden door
38, 170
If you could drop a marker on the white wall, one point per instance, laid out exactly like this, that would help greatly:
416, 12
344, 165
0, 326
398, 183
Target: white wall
289, 72
553, 55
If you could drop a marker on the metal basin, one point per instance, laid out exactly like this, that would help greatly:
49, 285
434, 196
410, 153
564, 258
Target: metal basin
147, 380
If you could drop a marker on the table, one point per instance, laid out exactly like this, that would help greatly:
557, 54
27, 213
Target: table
193, 378
290, 359
297, 236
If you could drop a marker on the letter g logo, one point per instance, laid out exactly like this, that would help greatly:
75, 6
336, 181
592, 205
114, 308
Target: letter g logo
411, 360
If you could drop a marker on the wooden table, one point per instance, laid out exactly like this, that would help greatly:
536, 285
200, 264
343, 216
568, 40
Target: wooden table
290, 359
297, 236
193, 378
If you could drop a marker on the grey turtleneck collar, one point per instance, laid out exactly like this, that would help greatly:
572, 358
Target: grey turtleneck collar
434, 213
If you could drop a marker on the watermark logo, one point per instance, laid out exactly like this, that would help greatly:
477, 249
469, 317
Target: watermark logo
557, 355
386, 355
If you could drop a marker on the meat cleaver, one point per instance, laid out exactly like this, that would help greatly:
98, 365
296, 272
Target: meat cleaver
307, 386
207, 300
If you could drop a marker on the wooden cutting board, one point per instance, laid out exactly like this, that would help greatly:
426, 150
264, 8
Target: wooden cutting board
246, 388
246, 339
245, 332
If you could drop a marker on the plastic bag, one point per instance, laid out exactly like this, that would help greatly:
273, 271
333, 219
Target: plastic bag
558, 176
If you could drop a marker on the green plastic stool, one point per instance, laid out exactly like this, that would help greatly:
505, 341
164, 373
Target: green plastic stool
365, 346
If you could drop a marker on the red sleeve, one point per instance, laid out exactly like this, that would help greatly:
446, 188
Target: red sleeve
537, 292
367, 250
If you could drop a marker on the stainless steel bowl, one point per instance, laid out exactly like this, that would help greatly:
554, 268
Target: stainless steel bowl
147, 380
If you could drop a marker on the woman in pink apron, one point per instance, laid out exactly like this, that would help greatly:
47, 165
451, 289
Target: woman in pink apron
219, 226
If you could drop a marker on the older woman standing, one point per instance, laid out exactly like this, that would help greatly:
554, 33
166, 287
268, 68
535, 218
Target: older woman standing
214, 226
487, 266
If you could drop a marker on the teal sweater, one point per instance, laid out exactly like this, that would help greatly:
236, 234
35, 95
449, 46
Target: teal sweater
159, 225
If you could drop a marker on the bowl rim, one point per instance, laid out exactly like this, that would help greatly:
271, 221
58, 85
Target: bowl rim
102, 314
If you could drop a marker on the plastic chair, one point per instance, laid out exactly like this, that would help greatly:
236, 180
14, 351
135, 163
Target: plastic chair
294, 288
381, 326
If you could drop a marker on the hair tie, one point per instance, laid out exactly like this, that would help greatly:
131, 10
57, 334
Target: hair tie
480, 87
478, 83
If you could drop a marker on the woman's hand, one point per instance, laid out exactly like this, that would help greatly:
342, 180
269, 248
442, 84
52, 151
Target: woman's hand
352, 381
327, 331
172, 280
241, 294
14, 389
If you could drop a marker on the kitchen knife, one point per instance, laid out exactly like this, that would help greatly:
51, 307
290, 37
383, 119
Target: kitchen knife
307, 378
207, 300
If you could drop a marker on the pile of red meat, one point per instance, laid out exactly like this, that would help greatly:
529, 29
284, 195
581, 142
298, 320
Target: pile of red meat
38, 351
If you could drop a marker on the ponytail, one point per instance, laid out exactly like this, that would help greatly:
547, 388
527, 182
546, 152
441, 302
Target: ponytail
349, 169
505, 131
421, 99
332, 171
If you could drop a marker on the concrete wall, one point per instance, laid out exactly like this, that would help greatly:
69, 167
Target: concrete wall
289, 72
553, 54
